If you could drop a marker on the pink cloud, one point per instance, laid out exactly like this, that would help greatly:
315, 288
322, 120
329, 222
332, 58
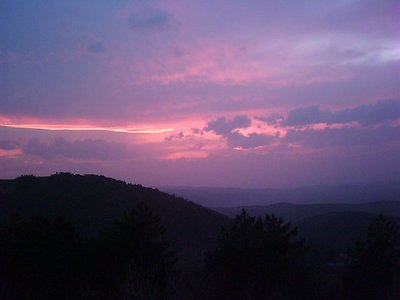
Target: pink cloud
10, 153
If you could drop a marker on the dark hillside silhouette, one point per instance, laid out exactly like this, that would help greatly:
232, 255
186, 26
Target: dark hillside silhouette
90, 237
44, 258
92, 202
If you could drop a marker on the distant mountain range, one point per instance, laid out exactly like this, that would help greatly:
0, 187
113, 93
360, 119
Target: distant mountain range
230, 197
296, 212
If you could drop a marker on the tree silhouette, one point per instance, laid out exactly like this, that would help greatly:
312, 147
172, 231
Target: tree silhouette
257, 259
133, 257
373, 269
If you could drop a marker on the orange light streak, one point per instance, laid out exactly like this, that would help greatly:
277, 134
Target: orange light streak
145, 130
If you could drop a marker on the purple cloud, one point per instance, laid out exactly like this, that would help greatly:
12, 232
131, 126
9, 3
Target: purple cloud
235, 139
227, 128
306, 116
380, 112
223, 126
273, 119
8, 145
86, 149
344, 137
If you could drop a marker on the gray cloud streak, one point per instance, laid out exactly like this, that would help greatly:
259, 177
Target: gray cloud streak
348, 136
86, 149
380, 112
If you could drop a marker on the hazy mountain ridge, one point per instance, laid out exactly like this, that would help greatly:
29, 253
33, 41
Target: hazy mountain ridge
230, 197
296, 212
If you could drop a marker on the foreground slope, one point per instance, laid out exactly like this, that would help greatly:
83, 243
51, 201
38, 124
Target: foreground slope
93, 202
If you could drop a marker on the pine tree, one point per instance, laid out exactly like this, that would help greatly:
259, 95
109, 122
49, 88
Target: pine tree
257, 258
135, 257
373, 269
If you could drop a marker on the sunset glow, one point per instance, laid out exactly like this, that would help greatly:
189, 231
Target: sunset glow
257, 94
73, 127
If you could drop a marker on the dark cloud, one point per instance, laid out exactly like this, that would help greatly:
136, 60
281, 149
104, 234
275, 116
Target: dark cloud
306, 116
273, 119
181, 135
8, 145
154, 19
380, 112
227, 128
347, 136
235, 139
96, 47
178, 136
81, 149
223, 126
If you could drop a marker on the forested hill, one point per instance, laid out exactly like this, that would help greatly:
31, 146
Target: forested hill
93, 202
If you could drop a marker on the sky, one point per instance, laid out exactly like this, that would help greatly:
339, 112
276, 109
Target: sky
248, 94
